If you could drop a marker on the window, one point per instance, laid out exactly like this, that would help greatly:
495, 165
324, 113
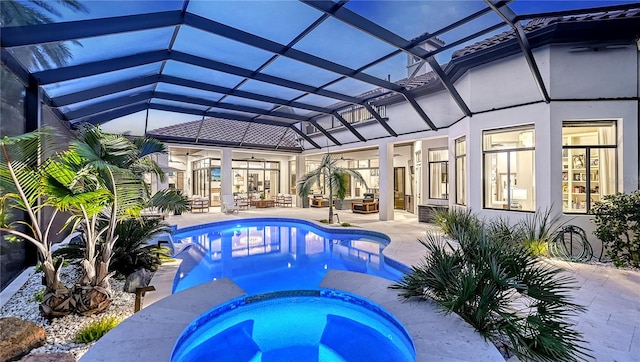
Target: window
588, 164
438, 174
509, 165
461, 171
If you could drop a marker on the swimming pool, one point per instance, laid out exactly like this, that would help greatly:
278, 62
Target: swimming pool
316, 325
275, 254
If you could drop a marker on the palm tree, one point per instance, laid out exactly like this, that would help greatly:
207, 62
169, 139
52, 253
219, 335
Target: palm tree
108, 167
21, 180
333, 176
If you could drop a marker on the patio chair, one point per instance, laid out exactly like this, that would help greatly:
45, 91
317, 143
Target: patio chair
229, 205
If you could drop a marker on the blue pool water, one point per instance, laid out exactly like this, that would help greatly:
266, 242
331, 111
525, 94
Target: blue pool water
309, 326
268, 255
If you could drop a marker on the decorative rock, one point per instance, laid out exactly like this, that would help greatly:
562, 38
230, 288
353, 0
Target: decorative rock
18, 337
138, 279
49, 357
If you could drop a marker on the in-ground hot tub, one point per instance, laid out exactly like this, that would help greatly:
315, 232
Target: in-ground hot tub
313, 325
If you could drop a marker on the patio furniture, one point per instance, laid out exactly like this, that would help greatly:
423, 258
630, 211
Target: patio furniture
367, 206
199, 203
263, 204
286, 200
319, 201
229, 205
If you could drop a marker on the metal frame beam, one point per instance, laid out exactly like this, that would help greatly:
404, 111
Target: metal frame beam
348, 126
217, 28
382, 122
102, 66
306, 138
235, 117
73, 30
509, 17
325, 133
228, 106
107, 105
359, 22
100, 91
112, 114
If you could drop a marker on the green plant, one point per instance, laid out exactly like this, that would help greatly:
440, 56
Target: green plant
503, 291
99, 180
500, 229
56, 259
96, 329
455, 220
617, 219
39, 295
130, 251
538, 230
345, 224
170, 200
324, 221
23, 181
334, 177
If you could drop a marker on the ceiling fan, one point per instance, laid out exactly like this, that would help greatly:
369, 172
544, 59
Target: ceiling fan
342, 158
185, 154
253, 158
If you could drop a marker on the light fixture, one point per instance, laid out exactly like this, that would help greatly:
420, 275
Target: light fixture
526, 138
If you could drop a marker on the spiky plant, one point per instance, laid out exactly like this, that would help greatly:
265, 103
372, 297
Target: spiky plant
538, 229
333, 176
504, 291
130, 251
450, 220
500, 229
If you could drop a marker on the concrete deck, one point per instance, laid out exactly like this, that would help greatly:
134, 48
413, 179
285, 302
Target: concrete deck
612, 297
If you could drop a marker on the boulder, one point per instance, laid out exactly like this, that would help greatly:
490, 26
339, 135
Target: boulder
138, 279
49, 357
18, 337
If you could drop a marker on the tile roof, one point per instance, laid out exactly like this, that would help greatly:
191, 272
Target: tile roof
232, 132
540, 23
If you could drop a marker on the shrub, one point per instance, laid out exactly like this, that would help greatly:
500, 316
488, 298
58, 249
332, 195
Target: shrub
96, 329
452, 221
501, 230
617, 219
502, 290
130, 251
324, 221
538, 230
345, 224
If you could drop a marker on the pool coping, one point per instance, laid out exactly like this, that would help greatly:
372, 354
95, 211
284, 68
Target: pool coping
152, 333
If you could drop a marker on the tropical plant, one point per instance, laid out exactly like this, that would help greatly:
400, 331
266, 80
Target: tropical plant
131, 251
505, 292
21, 180
169, 200
617, 219
99, 178
455, 219
501, 230
96, 329
538, 229
333, 177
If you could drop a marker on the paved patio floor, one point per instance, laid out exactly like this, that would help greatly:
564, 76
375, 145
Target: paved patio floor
611, 323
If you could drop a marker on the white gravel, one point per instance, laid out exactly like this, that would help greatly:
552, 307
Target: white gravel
61, 331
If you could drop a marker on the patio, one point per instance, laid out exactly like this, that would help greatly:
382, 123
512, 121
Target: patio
611, 323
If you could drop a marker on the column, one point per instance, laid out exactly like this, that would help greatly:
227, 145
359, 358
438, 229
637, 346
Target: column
386, 182
226, 186
300, 171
